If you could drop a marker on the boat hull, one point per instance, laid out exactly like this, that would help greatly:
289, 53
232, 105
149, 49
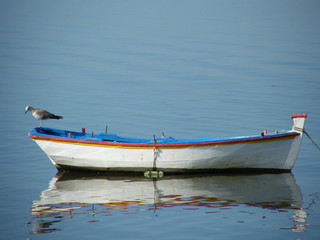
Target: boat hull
261, 154
265, 152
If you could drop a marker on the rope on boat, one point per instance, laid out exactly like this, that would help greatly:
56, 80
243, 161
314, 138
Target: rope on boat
155, 150
154, 173
313, 142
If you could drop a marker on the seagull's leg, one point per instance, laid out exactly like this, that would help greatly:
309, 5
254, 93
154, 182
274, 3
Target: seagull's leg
40, 123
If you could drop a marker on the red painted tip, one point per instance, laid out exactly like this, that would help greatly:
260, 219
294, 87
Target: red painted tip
299, 115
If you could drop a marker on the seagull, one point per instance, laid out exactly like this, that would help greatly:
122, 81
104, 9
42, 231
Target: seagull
41, 114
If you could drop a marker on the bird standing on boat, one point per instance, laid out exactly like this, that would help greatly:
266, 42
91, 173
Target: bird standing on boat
41, 114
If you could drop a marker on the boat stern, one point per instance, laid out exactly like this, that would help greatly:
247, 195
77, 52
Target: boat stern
298, 122
298, 126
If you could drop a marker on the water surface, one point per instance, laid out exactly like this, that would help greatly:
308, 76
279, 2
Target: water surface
190, 69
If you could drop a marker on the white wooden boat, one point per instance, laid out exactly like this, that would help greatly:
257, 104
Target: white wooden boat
108, 152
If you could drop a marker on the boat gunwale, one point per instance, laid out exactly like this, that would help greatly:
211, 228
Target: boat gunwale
231, 140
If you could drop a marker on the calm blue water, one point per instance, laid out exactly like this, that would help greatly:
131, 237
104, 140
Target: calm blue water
186, 68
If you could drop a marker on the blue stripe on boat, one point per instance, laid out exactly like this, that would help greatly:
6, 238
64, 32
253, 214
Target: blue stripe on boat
57, 133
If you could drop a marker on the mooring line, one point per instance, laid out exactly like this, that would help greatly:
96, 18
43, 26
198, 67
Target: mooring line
311, 140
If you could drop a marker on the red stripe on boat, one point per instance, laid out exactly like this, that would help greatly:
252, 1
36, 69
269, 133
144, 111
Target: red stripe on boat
167, 145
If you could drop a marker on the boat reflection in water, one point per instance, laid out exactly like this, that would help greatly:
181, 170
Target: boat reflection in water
70, 194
